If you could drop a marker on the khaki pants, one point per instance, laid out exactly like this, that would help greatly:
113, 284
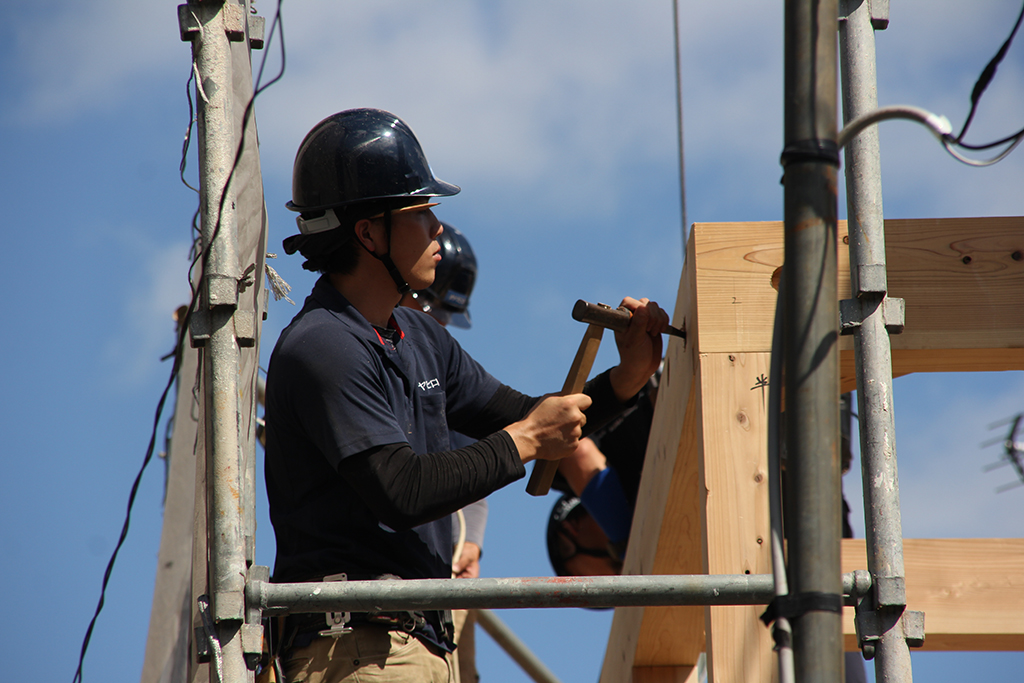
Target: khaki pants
465, 639
369, 653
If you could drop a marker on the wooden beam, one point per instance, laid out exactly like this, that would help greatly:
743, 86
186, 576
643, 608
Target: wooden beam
971, 591
674, 415
733, 404
665, 674
963, 289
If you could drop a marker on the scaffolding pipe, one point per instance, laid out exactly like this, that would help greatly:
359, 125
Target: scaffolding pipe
811, 328
520, 593
883, 525
782, 631
514, 647
227, 568
679, 120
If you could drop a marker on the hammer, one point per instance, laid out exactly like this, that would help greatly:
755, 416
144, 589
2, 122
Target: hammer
598, 317
616, 319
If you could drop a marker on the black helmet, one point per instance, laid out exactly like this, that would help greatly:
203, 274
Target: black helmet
356, 156
447, 299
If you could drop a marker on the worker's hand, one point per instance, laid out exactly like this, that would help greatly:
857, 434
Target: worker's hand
467, 565
552, 430
640, 347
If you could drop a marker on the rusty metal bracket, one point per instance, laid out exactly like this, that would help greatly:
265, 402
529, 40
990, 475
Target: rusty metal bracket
852, 313
871, 625
235, 24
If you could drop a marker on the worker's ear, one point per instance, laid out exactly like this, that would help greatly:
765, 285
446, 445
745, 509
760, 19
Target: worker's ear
370, 234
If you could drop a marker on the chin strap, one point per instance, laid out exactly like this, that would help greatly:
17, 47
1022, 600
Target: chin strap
400, 283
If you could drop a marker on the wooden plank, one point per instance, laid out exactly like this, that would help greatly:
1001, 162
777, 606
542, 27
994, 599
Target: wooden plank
734, 410
679, 551
673, 432
950, 304
970, 589
665, 674
170, 625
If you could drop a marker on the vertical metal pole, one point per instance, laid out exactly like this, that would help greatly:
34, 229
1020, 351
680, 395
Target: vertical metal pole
212, 55
883, 523
679, 120
811, 328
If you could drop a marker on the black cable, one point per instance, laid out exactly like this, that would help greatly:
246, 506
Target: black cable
183, 330
188, 129
985, 78
990, 145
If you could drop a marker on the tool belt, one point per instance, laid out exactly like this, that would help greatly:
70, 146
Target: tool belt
333, 624
300, 630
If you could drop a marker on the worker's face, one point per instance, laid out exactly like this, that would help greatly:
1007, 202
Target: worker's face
414, 246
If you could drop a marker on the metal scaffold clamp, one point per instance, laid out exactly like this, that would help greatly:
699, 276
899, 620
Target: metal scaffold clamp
853, 312
883, 609
235, 24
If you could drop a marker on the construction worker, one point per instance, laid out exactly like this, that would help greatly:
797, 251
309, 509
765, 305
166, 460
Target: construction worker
361, 395
446, 300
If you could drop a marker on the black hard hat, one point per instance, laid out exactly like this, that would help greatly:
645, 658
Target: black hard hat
359, 155
447, 299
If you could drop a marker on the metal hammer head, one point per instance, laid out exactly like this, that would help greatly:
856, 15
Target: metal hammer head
616, 319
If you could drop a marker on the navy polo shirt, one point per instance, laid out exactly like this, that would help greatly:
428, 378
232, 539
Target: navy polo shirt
335, 388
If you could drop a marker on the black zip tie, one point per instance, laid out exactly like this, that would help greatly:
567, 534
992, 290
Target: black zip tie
816, 150
795, 605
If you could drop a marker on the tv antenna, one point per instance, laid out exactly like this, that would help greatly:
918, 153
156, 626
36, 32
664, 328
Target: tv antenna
1013, 451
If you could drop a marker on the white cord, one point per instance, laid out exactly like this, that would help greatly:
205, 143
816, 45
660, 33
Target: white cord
938, 125
462, 537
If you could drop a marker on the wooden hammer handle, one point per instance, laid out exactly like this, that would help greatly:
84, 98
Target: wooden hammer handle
544, 470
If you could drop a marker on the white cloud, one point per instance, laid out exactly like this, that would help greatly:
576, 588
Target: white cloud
562, 91
74, 58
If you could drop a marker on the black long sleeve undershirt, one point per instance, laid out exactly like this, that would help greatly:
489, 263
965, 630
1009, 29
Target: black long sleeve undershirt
405, 489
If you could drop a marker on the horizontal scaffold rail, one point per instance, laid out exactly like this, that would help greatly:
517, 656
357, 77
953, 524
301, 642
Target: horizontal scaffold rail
518, 593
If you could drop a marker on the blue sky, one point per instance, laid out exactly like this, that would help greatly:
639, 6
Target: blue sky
558, 121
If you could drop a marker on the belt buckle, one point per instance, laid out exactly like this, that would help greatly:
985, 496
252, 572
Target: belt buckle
336, 621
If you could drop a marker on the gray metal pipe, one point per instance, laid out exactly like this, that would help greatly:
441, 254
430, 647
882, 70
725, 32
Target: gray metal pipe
212, 56
783, 631
883, 523
519, 593
811, 326
514, 647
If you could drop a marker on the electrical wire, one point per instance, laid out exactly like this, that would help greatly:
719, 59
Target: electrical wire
203, 255
949, 145
939, 125
987, 75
